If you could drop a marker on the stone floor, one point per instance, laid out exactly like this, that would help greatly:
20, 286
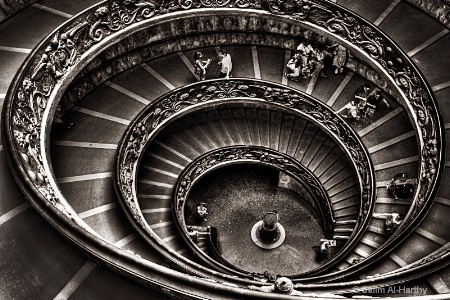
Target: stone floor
237, 197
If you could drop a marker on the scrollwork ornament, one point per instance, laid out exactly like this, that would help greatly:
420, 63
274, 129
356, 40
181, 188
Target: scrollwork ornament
214, 3
26, 129
331, 122
173, 104
420, 101
297, 9
186, 4
285, 97
131, 11
341, 24
100, 25
248, 4
189, 4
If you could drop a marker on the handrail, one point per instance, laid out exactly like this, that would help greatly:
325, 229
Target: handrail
38, 86
179, 102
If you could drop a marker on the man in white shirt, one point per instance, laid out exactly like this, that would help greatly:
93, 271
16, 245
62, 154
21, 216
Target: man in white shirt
225, 64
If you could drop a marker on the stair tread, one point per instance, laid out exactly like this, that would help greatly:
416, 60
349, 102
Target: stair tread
251, 115
296, 135
275, 130
287, 124
241, 124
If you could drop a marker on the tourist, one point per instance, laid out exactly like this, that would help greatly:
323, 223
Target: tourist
319, 62
226, 64
353, 113
202, 211
201, 65
373, 102
294, 66
339, 58
393, 222
325, 248
361, 95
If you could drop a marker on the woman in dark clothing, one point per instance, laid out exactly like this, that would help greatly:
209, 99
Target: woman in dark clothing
201, 65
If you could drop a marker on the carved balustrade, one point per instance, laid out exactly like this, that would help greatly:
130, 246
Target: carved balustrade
216, 92
33, 97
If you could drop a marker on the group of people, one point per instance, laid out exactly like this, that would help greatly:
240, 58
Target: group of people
308, 61
201, 64
364, 105
305, 61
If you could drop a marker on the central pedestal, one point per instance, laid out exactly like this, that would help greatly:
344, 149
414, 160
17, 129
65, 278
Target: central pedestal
268, 233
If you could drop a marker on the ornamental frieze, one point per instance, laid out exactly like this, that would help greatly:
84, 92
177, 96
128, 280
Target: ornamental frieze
184, 98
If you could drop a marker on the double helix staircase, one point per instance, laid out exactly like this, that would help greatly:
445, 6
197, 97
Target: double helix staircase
36, 258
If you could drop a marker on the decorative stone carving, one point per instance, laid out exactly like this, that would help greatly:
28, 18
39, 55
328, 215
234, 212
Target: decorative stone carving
204, 93
181, 100
62, 51
165, 108
26, 129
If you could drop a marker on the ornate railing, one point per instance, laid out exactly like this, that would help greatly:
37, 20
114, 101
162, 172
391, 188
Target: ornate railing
224, 156
214, 93
33, 97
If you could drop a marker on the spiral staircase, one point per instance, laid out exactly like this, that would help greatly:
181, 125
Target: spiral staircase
101, 210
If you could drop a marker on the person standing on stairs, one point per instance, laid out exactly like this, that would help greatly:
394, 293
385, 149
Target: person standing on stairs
225, 64
293, 65
361, 95
352, 112
339, 57
319, 62
202, 211
201, 65
373, 102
